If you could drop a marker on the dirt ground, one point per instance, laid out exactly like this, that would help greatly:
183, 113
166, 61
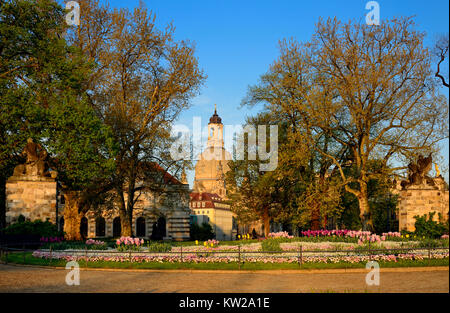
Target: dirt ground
36, 279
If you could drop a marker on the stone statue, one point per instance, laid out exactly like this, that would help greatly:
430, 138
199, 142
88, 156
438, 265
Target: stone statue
183, 177
438, 172
417, 172
36, 161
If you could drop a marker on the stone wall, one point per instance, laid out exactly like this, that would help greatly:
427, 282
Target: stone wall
172, 205
34, 197
420, 200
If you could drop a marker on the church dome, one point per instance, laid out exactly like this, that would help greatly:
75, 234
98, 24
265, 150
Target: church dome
215, 118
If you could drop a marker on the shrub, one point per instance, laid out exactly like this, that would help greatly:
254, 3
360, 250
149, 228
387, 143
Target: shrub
159, 247
433, 243
429, 228
202, 232
270, 245
35, 228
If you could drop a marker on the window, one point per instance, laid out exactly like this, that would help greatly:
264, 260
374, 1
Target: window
203, 204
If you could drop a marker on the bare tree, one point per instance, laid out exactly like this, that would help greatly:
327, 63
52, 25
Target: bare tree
441, 52
143, 80
368, 90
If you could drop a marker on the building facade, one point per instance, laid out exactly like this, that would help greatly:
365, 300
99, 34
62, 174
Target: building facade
33, 192
208, 199
212, 163
211, 208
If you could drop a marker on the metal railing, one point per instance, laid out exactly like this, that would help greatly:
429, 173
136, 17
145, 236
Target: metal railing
240, 255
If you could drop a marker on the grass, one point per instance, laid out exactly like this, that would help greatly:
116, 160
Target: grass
27, 258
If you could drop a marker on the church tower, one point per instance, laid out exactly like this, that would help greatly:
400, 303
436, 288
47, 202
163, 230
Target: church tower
213, 161
215, 131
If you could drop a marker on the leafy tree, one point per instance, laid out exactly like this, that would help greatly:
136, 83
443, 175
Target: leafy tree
43, 95
29, 47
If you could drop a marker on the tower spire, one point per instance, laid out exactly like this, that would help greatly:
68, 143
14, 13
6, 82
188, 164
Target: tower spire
215, 118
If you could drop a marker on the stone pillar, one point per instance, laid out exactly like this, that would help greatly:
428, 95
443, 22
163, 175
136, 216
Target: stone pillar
34, 197
421, 200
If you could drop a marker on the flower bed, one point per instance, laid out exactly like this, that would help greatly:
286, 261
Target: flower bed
192, 258
129, 244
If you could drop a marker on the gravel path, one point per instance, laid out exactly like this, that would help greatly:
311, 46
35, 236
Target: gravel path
36, 279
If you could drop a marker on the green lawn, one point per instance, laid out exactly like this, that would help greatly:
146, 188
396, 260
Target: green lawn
27, 258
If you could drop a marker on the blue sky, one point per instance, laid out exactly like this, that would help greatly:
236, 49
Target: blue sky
236, 41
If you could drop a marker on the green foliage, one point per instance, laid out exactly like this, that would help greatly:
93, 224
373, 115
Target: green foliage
270, 245
426, 226
159, 247
433, 243
128, 248
72, 245
201, 232
37, 228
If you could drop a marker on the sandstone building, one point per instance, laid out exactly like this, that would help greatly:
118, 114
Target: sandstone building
210, 208
208, 199
33, 192
212, 163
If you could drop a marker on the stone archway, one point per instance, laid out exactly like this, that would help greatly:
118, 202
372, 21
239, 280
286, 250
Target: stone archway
117, 227
84, 227
61, 223
100, 227
140, 227
159, 229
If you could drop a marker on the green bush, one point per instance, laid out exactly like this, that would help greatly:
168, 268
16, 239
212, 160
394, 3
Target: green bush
159, 247
202, 232
73, 245
429, 228
97, 247
270, 245
433, 243
64, 245
36, 228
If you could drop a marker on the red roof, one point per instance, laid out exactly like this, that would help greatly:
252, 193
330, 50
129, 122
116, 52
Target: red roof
208, 198
167, 176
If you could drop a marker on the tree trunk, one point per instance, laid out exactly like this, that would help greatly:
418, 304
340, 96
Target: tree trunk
364, 209
72, 216
315, 216
125, 218
324, 221
2, 202
266, 221
126, 224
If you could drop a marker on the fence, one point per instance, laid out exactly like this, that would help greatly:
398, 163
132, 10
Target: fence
240, 254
